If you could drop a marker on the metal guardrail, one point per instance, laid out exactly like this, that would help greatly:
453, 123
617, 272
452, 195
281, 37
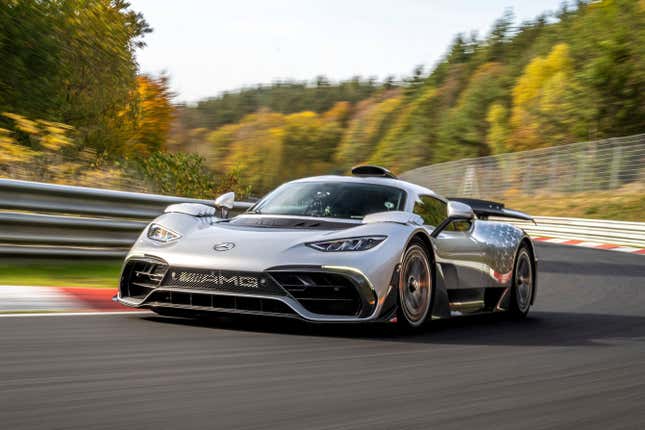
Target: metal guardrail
38, 219
50, 220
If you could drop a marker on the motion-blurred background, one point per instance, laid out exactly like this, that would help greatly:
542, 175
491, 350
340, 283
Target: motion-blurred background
552, 95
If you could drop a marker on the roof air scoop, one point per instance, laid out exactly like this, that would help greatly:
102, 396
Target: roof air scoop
376, 171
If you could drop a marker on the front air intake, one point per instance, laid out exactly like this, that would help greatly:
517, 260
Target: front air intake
321, 292
141, 276
216, 302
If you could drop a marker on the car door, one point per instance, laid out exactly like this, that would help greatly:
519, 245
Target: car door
458, 252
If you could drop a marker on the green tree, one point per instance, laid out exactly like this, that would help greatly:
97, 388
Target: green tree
548, 106
182, 174
462, 132
70, 61
365, 129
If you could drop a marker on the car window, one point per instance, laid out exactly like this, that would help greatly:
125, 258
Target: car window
431, 209
459, 225
331, 199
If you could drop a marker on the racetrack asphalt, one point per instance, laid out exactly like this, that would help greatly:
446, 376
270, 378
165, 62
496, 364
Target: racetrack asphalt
578, 361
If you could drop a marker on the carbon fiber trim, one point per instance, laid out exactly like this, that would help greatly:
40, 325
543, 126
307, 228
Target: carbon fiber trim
218, 303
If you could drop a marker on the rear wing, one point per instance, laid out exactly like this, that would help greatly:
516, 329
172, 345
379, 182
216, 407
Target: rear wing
484, 209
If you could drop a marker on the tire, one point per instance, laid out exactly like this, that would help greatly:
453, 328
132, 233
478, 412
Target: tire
416, 279
523, 284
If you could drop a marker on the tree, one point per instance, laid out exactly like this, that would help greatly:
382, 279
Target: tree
365, 129
70, 61
497, 41
575, 75
547, 103
148, 116
254, 148
286, 97
37, 146
497, 134
462, 132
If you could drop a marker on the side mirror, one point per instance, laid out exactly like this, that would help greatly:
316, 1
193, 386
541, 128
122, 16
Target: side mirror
456, 211
225, 203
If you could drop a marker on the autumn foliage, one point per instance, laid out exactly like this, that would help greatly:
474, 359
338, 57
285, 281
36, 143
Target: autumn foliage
578, 75
74, 104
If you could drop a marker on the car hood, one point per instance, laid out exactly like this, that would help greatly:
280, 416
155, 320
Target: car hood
256, 243
262, 235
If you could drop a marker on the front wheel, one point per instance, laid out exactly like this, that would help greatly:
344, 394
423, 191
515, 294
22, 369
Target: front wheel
415, 286
523, 283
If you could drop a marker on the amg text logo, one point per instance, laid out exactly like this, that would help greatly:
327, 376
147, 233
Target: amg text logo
217, 279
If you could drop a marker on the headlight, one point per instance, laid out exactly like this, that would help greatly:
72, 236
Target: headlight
349, 244
160, 233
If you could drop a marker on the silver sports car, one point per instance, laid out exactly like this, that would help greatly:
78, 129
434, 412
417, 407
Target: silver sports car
366, 247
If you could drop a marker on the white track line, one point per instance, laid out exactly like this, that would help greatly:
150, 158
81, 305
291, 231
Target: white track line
590, 244
553, 240
626, 249
72, 314
34, 299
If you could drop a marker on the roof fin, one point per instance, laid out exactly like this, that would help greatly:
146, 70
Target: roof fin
372, 171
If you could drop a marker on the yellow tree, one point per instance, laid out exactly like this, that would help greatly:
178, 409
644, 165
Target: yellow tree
365, 129
497, 134
340, 113
10, 151
405, 144
305, 149
545, 110
219, 145
39, 154
253, 148
148, 116
310, 141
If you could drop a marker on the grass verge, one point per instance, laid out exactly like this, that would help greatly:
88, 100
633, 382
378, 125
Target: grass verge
626, 204
63, 273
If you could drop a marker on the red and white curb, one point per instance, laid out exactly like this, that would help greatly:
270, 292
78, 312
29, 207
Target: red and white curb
57, 299
595, 245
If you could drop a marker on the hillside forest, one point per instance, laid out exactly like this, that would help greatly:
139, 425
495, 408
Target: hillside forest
75, 109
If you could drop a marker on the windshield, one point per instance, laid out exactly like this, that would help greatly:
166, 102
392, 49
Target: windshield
331, 199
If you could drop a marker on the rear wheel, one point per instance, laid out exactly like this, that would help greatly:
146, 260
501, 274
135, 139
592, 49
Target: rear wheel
523, 283
415, 286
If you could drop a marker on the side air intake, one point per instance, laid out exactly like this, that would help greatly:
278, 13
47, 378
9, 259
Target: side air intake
373, 171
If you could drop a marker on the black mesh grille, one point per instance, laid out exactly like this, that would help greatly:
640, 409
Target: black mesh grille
215, 302
220, 280
141, 276
320, 292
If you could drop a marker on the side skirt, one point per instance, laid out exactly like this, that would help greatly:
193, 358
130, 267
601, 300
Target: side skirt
477, 300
